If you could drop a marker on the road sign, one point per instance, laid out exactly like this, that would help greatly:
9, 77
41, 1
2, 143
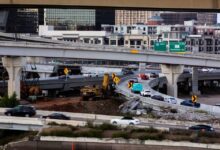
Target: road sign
116, 80
130, 84
194, 98
113, 75
177, 46
66, 71
160, 46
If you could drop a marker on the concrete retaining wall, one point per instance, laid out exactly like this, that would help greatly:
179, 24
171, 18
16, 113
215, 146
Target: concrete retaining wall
123, 141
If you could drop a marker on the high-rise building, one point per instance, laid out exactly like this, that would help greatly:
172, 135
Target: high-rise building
171, 18
19, 20
129, 17
206, 18
78, 19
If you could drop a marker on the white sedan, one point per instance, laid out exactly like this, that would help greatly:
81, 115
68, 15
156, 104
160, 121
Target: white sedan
125, 121
146, 93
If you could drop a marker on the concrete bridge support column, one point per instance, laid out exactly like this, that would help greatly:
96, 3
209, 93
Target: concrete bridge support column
14, 67
142, 67
172, 73
195, 81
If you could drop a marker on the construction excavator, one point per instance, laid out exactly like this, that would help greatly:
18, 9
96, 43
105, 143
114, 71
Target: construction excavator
96, 92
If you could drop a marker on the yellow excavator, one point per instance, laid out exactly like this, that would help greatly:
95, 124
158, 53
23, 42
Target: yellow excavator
95, 91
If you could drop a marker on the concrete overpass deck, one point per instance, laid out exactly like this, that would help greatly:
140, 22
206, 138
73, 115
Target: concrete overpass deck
85, 51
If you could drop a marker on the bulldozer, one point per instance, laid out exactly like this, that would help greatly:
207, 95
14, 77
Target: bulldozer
95, 91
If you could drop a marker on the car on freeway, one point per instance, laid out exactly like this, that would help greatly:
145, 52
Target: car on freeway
190, 103
125, 121
171, 100
146, 92
143, 76
21, 110
154, 75
157, 97
202, 127
57, 116
133, 80
137, 88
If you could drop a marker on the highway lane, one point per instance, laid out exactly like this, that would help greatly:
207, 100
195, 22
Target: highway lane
99, 119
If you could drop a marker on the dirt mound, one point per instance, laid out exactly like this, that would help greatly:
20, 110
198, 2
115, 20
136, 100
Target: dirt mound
108, 106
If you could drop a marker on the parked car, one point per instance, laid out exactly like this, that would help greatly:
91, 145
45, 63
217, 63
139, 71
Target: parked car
157, 97
146, 93
21, 110
137, 88
171, 100
202, 127
125, 121
154, 75
57, 116
190, 103
143, 76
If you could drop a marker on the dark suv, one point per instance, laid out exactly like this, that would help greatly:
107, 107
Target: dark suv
190, 103
21, 110
201, 127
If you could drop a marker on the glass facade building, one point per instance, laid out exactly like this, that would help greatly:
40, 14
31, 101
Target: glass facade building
70, 19
78, 19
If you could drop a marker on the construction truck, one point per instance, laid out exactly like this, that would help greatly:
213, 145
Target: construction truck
95, 91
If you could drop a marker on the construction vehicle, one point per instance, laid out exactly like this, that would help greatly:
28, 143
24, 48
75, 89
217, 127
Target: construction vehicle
96, 91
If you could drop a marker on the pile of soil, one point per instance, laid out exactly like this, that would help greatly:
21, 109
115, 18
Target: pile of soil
75, 104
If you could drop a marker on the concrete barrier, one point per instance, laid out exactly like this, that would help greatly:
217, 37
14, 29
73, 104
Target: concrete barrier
132, 141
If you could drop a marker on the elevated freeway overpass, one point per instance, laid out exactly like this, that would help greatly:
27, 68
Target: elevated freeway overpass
128, 4
88, 51
14, 52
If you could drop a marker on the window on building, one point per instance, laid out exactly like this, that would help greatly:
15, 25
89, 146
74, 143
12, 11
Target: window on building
165, 35
113, 42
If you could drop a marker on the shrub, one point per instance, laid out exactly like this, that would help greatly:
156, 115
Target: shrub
173, 110
57, 131
181, 132
89, 124
121, 134
107, 126
90, 133
159, 137
9, 101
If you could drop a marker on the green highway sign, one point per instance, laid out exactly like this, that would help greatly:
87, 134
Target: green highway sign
160, 46
177, 47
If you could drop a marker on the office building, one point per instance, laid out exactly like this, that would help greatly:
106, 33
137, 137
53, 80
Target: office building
130, 17
78, 19
18, 20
